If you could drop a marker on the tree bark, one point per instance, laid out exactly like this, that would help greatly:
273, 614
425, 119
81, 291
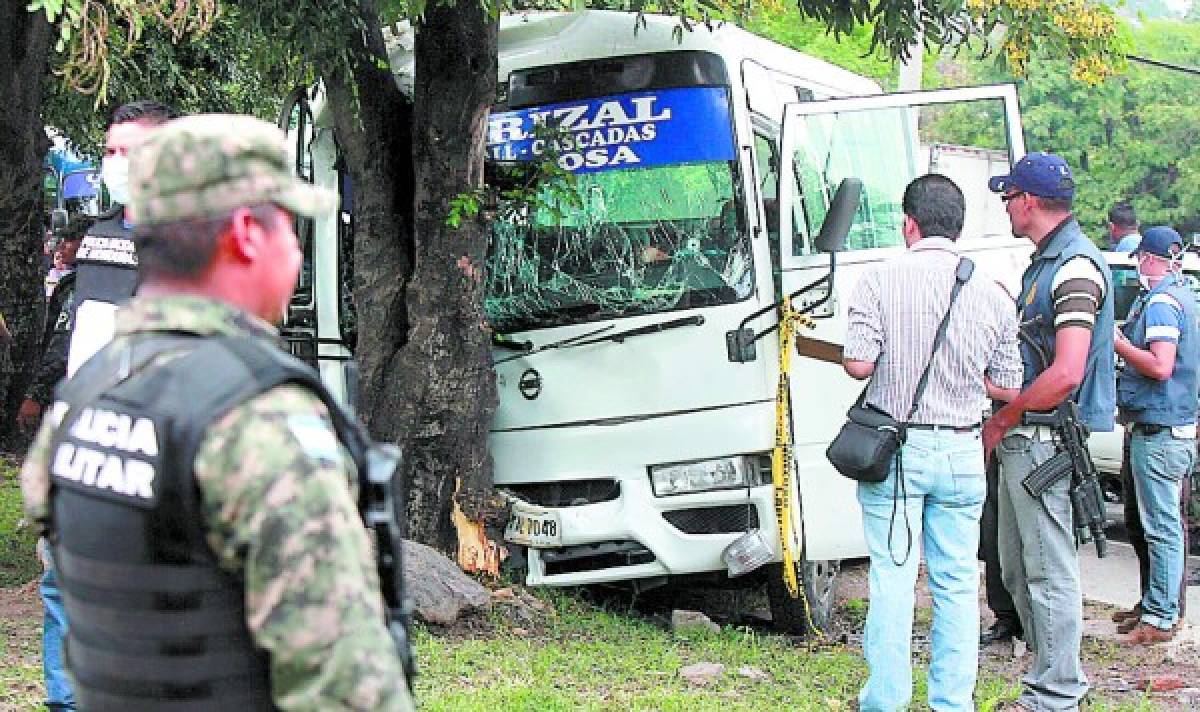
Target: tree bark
373, 123
24, 52
440, 388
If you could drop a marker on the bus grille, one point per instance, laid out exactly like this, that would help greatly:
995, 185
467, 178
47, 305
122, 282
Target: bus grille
714, 520
593, 557
569, 493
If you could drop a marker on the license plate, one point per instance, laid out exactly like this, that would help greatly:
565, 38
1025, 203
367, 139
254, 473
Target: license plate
535, 529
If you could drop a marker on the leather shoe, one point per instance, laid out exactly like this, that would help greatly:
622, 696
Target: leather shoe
1126, 626
1146, 634
1134, 613
1000, 632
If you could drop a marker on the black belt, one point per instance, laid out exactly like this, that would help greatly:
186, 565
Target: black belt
948, 428
1150, 428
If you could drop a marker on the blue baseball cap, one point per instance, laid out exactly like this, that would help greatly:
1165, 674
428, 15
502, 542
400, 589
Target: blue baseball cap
1159, 240
1042, 174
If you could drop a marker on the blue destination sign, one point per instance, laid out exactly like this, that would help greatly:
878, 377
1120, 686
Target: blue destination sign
647, 128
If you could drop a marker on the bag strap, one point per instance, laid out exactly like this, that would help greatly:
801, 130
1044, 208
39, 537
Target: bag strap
963, 273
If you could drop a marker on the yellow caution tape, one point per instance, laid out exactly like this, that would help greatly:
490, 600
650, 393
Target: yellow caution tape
781, 456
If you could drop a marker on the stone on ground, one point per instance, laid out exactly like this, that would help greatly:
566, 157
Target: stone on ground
687, 621
752, 673
440, 592
702, 674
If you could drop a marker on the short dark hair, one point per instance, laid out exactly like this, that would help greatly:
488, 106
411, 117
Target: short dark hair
151, 112
1055, 205
936, 204
1123, 215
184, 249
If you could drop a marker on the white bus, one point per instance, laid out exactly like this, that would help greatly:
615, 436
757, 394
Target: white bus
635, 427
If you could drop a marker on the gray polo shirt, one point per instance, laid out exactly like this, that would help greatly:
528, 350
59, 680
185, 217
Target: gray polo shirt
893, 317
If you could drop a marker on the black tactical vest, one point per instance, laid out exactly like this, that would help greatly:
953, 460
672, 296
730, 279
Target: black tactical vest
154, 623
107, 261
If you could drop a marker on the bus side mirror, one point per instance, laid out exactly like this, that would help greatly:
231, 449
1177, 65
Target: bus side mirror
59, 219
840, 217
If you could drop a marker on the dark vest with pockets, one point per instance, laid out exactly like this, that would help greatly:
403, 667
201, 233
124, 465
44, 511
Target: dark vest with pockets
1173, 401
1096, 395
155, 624
107, 260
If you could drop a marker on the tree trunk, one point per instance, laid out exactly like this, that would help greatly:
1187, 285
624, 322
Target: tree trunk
24, 51
373, 122
440, 389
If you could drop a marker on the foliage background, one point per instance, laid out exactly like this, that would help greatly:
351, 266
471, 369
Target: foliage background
1130, 138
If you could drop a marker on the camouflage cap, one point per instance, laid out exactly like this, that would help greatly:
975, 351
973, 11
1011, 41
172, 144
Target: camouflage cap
204, 165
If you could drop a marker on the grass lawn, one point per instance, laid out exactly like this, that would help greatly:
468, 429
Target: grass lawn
18, 559
582, 658
590, 659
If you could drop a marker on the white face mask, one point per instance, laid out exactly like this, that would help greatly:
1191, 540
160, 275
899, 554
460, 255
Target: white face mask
115, 172
1144, 281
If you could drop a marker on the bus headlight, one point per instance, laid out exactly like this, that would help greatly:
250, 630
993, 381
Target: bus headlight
717, 474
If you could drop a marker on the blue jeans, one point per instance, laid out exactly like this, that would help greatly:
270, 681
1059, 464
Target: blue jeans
1159, 462
945, 483
54, 631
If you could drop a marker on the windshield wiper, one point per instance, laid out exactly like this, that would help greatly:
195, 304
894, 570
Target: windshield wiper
555, 345
502, 342
619, 337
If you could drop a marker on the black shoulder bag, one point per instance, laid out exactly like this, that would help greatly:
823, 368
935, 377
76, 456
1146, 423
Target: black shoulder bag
870, 440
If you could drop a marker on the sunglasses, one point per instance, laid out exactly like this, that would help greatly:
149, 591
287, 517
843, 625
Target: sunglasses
1011, 196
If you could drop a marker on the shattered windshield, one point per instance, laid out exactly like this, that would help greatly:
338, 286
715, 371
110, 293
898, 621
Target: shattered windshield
651, 231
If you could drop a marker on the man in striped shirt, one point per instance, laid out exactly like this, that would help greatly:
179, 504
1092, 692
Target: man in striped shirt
1067, 314
935, 497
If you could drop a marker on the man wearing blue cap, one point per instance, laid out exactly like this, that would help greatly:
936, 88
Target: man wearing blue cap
1066, 311
1156, 391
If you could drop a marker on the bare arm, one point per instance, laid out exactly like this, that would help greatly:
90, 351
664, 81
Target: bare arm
1157, 362
1049, 389
997, 393
859, 370
1056, 382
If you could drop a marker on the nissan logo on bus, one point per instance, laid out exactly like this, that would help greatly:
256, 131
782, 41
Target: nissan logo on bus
530, 384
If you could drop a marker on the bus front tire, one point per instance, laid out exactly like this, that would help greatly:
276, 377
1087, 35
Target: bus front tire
818, 581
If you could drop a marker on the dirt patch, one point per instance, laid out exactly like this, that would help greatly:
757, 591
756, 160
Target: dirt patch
514, 609
1118, 673
20, 602
21, 648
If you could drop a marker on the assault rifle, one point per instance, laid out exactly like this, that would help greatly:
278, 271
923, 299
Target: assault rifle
1073, 459
377, 503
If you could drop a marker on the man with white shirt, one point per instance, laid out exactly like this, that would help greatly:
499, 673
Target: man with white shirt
932, 499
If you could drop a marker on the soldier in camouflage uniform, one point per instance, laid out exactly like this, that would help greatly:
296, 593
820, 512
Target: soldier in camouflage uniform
214, 200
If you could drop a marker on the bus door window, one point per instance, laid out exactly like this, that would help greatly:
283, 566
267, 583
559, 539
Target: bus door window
766, 157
